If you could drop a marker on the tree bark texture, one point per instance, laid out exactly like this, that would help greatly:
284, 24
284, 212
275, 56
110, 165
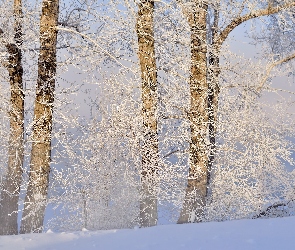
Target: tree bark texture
196, 190
11, 185
35, 200
147, 60
213, 93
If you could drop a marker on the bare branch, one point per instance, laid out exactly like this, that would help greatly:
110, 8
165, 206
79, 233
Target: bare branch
175, 151
172, 152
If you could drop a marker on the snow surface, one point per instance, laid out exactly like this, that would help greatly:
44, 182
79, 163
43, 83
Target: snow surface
267, 234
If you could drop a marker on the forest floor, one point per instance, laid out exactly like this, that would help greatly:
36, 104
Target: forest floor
277, 233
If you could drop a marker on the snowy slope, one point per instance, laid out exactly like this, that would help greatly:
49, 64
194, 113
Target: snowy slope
231, 235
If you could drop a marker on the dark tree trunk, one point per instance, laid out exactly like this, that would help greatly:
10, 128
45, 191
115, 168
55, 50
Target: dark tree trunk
13, 178
213, 93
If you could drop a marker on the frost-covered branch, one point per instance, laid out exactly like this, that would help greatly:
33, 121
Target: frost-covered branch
270, 68
96, 44
267, 211
270, 10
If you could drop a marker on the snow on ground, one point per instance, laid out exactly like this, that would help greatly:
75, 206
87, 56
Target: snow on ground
267, 234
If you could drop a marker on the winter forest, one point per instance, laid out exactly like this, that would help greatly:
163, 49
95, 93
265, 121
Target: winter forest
124, 113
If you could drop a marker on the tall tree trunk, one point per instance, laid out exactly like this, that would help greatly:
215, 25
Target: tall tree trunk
146, 44
213, 92
195, 196
12, 182
35, 200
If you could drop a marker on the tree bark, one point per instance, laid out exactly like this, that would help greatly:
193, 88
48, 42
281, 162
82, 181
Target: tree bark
13, 178
213, 93
195, 196
35, 200
144, 28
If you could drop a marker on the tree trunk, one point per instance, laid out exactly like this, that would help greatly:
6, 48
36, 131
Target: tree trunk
195, 196
213, 92
35, 200
146, 44
12, 182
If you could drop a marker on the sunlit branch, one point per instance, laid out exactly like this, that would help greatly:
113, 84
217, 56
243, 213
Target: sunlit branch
270, 68
270, 10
